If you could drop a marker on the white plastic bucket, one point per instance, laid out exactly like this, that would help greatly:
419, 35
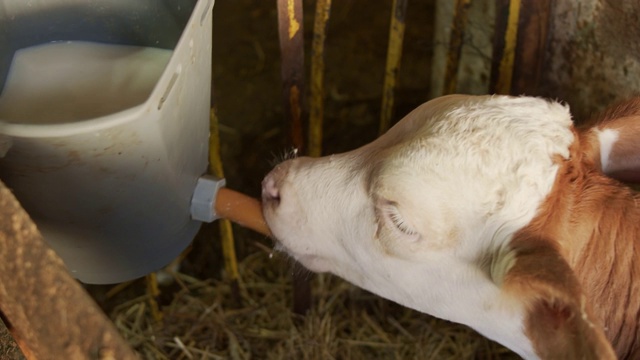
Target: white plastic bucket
112, 194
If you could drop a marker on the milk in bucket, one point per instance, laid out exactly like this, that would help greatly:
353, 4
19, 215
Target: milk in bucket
49, 83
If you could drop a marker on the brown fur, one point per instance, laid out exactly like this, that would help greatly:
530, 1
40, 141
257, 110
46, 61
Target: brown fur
587, 231
559, 321
626, 153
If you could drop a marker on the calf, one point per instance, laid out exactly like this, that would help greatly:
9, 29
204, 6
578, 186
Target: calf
490, 211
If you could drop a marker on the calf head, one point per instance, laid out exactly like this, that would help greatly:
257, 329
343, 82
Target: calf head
433, 215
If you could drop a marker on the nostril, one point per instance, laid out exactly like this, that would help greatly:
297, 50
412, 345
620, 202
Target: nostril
270, 190
273, 183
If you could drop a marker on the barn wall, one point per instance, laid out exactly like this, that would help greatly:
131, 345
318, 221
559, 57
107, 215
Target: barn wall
475, 57
593, 53
592, 56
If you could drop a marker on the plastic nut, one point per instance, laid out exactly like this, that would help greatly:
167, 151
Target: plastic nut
204, 198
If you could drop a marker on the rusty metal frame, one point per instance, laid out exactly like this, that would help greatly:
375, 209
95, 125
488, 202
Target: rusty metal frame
392, 67
458, 28
533, 31
520, 42
46, 310
292, 69
316, 114
290, 29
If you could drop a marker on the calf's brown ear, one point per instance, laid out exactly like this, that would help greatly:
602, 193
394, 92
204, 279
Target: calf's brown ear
558, 319
613, 141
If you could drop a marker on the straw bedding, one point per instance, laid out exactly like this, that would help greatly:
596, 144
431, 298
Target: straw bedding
205, 320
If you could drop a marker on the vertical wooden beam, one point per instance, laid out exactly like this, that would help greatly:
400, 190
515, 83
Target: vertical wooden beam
48, 313
316, 114
394, 55
458, 26
292, 56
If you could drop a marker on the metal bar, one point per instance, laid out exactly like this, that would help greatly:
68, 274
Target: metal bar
506, 36
153, 290
46, 310
456, 40
533, 30
292, 70
292, 54
316, 114
226, 230
394, 55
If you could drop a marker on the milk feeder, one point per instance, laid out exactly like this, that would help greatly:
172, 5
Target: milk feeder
104, 110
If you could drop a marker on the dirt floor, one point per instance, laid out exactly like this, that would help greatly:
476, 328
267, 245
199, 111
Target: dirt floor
202, 317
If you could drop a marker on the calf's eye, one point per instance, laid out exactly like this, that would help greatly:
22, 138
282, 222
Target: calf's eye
393, 215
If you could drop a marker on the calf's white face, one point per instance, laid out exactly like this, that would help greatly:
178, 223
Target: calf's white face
424, 214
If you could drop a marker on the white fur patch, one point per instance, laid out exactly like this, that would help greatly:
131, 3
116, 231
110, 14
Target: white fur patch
607, 139
501, 263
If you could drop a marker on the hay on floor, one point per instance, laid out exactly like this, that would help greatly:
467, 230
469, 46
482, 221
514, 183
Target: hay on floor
204, 321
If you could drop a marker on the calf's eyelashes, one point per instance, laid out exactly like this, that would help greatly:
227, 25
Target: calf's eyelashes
392, 217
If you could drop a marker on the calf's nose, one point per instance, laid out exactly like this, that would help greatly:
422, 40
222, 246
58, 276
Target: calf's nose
272, 183
270, 191
278, 183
